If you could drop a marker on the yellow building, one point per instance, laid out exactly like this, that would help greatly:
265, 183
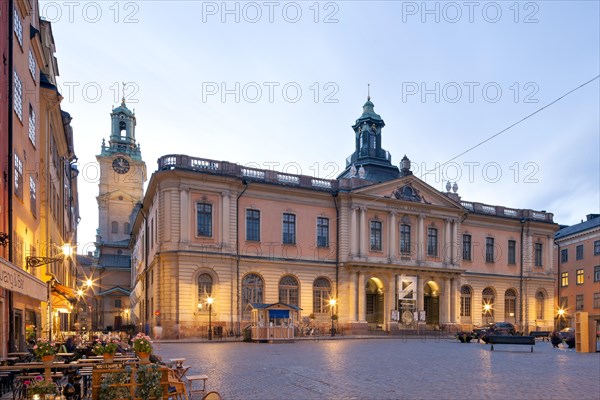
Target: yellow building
41, 211
395, 253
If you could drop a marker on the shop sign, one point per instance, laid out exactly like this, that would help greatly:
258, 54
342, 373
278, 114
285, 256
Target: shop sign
17, 280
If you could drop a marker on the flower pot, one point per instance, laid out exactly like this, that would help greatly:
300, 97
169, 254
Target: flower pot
47, 360
144, 357
108, 358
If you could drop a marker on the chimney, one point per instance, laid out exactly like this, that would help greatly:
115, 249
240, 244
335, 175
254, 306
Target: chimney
591, 216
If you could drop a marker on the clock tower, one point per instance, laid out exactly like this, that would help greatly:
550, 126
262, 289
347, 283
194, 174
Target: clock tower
122, 177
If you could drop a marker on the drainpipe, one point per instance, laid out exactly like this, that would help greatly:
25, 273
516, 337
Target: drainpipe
10, 183
237, 256
523, 221
145, 305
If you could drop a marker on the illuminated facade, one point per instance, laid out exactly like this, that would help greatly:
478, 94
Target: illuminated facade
396, 254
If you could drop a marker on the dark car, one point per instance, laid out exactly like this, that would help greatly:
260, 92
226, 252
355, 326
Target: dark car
566, 333
494, 328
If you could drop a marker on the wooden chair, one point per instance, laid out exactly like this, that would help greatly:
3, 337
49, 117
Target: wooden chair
180, 392
212, 396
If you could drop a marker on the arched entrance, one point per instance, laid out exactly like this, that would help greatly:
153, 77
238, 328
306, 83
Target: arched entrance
374, 301
431, 296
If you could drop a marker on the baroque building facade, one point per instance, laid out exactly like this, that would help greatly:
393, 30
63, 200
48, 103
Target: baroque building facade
395, 253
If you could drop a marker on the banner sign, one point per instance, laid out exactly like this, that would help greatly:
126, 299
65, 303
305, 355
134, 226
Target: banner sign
407, 287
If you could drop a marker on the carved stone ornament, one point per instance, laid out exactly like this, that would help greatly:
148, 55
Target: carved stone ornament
408, 193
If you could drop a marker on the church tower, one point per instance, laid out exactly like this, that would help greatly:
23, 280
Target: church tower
121, 188
122, 177
369, 160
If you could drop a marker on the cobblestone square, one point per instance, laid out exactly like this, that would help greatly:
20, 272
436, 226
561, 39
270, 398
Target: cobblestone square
396, 368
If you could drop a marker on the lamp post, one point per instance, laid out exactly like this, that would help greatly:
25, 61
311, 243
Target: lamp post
34, 261
561, 314
332, 303
209, 301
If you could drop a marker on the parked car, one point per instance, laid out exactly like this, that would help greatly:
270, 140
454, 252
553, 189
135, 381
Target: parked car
493, 328
566, 333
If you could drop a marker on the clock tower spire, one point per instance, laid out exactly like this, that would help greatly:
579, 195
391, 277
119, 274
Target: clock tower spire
122, 177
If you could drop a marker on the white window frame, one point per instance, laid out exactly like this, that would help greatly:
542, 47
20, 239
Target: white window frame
18, 26
32, 127
32, 65
18, 95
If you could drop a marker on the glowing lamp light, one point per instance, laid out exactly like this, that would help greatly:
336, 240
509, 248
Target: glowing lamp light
561, 312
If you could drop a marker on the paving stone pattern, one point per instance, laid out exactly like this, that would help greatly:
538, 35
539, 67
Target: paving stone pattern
415, 368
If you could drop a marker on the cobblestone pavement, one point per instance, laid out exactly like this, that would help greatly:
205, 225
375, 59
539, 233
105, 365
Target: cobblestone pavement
413, 368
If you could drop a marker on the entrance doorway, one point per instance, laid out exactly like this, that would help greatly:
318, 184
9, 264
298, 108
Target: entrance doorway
18, 337
374, 301
432, 303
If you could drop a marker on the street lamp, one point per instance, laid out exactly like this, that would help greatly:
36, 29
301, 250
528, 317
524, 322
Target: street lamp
34, 261
561, 314
332, 303
209, 301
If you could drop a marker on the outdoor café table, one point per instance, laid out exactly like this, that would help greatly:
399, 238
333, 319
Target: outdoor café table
37, 366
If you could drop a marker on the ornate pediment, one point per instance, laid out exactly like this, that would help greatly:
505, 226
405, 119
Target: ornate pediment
408, 193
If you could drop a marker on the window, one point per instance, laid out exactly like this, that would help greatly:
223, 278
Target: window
597, 247
466, 250
32, 190
489, 250
564, 279
32, 65
127, 228
579, 277
117, 303
579, 302
204, 219
288, 290
405, 239
32, 125
252, 292
18, 27
114, 227
253, 225
564, 303
597, 273
375, 235
512, 252
322, 232
579, 252
205, 282
538, 254
432, 242
539, 305
289, 228
487, 305
465, 301
564, 255
510, 305
321, 295
18, 177
596, 300
18, 95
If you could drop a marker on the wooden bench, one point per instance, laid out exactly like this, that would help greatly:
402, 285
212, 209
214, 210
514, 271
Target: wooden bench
545, 335
502, 339
193, 378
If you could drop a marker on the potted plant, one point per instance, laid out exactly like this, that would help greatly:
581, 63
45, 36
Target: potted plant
44, 350
38, 385
107, 350
142, 345
148, 382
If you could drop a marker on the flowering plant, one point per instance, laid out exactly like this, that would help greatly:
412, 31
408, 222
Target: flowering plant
38, 385
109, 347
142, 343
44, 347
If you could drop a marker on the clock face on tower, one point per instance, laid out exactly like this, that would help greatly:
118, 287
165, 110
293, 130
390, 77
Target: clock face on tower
120, 165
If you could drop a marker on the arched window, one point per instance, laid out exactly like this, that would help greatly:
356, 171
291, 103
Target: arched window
465, 301
288, 290
510, 305
127, 228
114, 226
487, 305
539, 305
205, 282
252, 292
321, 295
